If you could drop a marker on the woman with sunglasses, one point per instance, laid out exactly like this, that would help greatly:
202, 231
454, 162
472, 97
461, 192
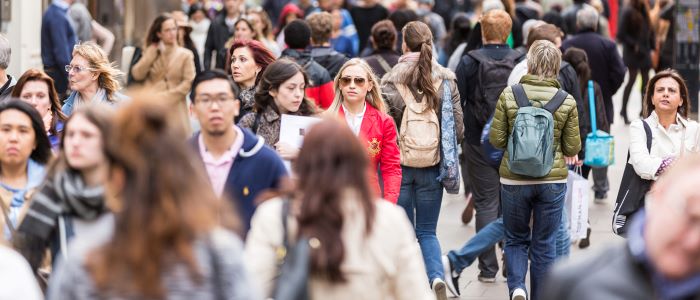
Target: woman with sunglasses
416, 86
358, 101
281, 91
92, 78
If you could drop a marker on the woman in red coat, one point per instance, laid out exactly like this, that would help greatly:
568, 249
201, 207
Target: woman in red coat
359, 102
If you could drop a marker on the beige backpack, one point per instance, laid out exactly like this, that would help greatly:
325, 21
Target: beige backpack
419, 134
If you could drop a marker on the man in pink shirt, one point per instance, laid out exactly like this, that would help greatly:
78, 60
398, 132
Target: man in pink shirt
237, 161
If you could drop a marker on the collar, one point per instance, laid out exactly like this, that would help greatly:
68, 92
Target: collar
270, 114
9, 83
534, 80
347, 113
679, 119
666, 288
227, 156
495, 46
61, 4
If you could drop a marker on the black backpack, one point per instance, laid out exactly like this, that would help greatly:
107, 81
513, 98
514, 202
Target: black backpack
492, 78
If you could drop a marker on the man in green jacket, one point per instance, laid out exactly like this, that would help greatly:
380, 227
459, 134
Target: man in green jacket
543, 197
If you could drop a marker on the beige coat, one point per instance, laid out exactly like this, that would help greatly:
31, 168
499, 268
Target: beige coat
171, 73
386, 264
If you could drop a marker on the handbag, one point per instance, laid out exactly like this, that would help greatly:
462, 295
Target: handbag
633, 189
600, 146
577, 193
294, 261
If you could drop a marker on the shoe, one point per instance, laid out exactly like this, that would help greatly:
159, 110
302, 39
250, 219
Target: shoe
451, 276
468, 212
585, 242
504, 270
518, 294
439, 288
485, 279
600, 197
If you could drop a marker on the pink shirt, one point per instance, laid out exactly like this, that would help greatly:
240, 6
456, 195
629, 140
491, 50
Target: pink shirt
218, 169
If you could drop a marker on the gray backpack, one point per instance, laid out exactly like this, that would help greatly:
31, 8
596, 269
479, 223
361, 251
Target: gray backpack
531, 143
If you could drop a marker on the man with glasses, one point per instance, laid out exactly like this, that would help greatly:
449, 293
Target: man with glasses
238, 163
661, 257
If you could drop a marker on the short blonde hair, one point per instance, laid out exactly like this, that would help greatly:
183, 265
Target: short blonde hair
374, 97
99, 62
543, 60
496, 25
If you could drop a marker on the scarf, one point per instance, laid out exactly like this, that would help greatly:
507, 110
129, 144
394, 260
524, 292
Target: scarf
667, 289
64, 194
100, 96
410, 57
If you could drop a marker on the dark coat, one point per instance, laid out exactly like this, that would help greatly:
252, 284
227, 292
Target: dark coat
216, 41
637, 38
328, 58
57, 38
607, 68
320, 88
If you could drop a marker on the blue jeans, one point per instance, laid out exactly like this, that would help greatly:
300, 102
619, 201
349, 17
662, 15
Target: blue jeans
545, 202
483, 240
421, 196
563, 236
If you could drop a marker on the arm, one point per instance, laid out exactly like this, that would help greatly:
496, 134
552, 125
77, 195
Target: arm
616, 66
570, 136
624, 34
141, 68
389, 162
264, 238
188, 74
104, 36
498, 135
645, 164
457, 111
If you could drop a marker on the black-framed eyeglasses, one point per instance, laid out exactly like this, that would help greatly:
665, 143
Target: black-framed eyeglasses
207, 101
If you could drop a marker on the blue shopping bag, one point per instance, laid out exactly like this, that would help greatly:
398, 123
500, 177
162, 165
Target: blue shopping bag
600, 145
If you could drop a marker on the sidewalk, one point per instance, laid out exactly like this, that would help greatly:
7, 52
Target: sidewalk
452, 233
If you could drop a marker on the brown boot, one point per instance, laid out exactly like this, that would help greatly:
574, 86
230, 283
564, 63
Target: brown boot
468, 212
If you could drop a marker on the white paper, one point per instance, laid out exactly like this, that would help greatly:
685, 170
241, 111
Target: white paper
293, 129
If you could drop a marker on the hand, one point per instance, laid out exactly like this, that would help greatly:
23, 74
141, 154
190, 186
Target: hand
287, 151
161, 46
48, 117
571, 160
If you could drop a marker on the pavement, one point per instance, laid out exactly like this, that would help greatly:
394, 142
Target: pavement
452, 234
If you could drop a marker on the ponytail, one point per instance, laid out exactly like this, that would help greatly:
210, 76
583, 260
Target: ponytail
418, 38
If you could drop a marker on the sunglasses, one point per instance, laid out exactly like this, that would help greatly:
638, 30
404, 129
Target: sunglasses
359, 81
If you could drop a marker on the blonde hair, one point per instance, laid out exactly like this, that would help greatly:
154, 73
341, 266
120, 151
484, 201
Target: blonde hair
99, 62
374, 96
543, 60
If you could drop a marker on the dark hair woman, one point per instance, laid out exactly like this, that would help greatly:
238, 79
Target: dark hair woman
418, 77
281, 91
164, 242
24, 151
37, 89
74, 185
246, 62
383, 41
167, 68
363, 247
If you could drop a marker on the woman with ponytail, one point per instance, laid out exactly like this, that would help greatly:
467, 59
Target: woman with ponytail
421, 84
361, 246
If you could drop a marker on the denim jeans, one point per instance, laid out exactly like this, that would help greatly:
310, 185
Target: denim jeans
483, 240
563, 236
545, 202
421, 196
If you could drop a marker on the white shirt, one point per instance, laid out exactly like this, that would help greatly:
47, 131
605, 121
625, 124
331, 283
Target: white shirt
355, 121
518, 72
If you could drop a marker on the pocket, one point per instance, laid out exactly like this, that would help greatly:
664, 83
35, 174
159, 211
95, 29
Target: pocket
556, 188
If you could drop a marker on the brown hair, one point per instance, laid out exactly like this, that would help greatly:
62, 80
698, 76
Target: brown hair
275, 75
496, 25
99, 62
164, 206
648, 105
37, 75
152, 36
321, 24
332, 170
384, 35
418, 38
547, 32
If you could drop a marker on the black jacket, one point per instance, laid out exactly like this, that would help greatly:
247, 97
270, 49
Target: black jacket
637, 39
328, 58
390, 56
216, 41
607, 68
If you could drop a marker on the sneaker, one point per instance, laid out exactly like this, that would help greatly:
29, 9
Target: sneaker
451, 276
518, 294
468, 212
439, 288
485, 279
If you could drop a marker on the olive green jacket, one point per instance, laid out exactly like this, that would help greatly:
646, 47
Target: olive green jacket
566, 135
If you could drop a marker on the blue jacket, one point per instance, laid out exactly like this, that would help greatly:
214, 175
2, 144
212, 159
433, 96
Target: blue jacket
57, 37
256, 169
68, 104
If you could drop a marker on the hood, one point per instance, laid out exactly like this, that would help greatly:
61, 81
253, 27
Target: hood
402, 71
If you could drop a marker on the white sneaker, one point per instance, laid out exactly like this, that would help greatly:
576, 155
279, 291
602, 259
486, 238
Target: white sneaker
518, 294
440, 289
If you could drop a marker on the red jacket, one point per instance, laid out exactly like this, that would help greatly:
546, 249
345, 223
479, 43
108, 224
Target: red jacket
378, 132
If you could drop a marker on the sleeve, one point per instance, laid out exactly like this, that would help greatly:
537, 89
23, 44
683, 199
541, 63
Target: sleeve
209, 47
141, 68
188, 74
617, 67
645, 164
104, 36
570, 136
279, 172
498, 135
461, 75
389, 162
247, 121
394, 102
262, 242
59, 39
410, 280
457, 111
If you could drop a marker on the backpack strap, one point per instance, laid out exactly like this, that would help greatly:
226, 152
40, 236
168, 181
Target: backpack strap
383, 63
556, 101
520, 96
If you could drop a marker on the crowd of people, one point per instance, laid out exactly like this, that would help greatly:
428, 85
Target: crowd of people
172, 181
